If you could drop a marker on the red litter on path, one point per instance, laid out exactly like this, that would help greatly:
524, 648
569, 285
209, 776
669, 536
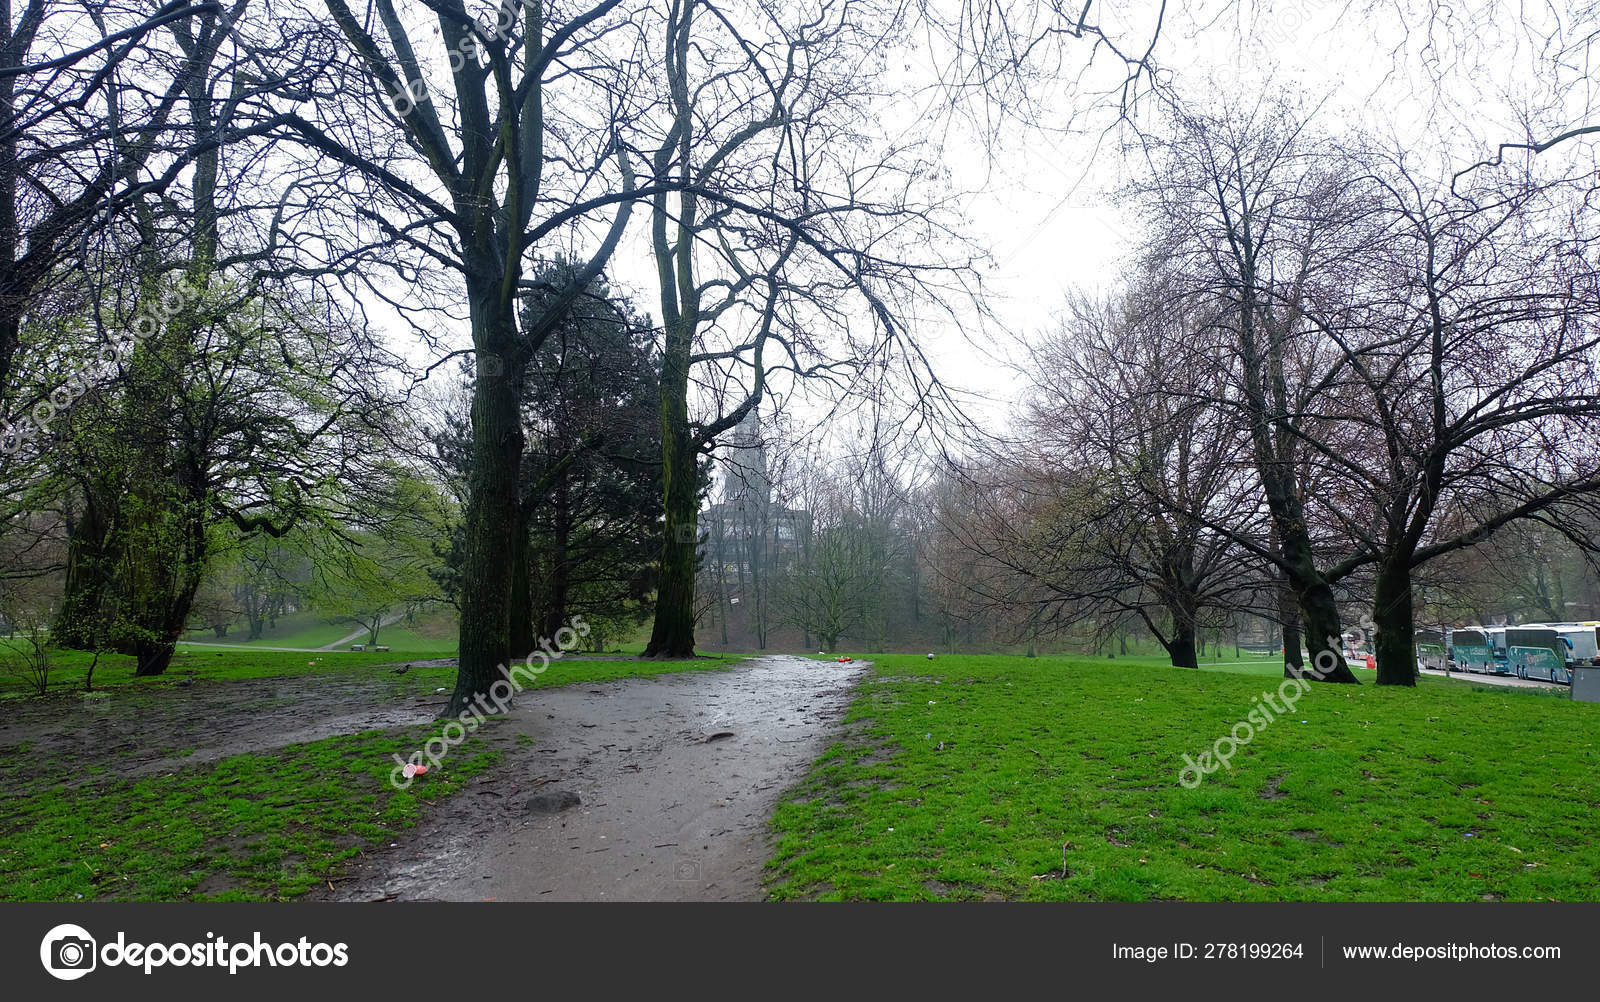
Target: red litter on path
844, 660
412, 769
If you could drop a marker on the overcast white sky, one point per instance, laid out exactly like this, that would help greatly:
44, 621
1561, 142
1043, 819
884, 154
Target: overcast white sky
1042, 201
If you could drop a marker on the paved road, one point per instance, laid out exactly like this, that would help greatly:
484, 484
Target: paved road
1509, 681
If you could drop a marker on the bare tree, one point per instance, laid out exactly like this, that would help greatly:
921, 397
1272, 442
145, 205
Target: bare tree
1414, 366
785, 241
1474, 356
1247, 211
1138, 467
86, 101
506, 133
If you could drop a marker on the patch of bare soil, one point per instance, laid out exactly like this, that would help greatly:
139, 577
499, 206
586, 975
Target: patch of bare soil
171, 726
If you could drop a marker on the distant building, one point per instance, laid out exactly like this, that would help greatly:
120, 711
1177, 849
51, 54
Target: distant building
745, 532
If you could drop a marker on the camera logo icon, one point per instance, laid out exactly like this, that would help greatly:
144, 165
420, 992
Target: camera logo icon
686, 869
68, 952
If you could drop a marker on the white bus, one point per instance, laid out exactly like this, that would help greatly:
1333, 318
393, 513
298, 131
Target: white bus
1583, 640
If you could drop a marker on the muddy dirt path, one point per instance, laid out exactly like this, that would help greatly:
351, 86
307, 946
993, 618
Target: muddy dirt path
676, 777
168, 727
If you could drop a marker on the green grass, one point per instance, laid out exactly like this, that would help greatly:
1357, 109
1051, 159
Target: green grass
115, 671
304, 629
966, 776
410, 640
250, 827
268, 825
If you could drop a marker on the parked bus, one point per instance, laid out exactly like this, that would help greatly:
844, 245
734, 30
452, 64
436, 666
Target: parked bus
1583, 640
1539, 653
1497, 640
1433, 650
1476, 650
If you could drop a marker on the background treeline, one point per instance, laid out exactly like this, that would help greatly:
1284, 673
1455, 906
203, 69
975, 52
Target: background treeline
317, 309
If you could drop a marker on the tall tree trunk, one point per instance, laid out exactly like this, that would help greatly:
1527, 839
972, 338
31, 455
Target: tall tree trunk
1183, 609
558, 588
1395, 643
1273, 450
1289, 619
1319, 613
169, 549
523, 638
1177, 575
672, 636
493, 508
15, 288
161, 607
1324, 635
1181, 648
76, 627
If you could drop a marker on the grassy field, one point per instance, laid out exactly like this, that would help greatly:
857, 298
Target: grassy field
308, 631
410, 640
1058, 779
250, 827
114, 671
300, 630
76, 823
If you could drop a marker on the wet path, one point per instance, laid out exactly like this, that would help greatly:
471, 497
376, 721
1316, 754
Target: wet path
677, 778
164, 727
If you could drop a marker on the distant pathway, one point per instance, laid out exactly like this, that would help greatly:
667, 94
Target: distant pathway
390, 621
294, 650
677, 777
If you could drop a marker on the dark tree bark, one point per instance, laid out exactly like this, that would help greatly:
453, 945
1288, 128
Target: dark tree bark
1319, 613
523, 638
1393, 612
672, 635
493, 507
1273, 446
1181, 648
1183, 606
1289, 619
75, 627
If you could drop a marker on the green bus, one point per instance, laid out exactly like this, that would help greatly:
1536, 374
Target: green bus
1475, 649
1538, 652
1432, 650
